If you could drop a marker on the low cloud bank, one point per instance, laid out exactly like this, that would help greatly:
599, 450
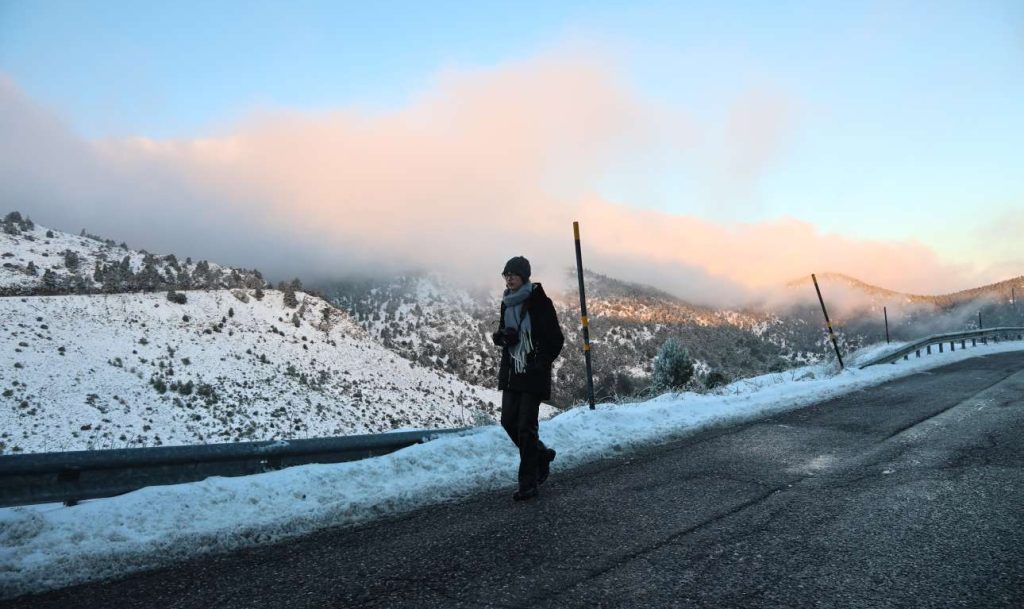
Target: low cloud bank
482, 166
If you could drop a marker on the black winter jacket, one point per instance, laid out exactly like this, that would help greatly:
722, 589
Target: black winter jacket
547, 339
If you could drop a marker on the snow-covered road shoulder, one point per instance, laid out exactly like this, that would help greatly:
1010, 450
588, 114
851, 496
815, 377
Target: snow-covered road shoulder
43, 547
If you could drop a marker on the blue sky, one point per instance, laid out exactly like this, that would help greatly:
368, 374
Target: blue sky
900, 120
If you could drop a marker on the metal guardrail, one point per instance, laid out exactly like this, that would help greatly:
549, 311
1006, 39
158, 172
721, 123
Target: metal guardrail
72, 476
952, 338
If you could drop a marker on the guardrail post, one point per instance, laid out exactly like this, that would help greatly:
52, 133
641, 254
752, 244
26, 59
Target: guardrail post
940, 348
952, 346
963, 344
928, 349
974, 342
919, 353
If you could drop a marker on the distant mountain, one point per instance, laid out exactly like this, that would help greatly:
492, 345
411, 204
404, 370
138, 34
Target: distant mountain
90, 371
1000, 292
437, 324
857, 308
434, 323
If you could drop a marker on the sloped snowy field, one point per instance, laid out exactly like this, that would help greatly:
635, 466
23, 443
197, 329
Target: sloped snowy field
52, 546
115, 371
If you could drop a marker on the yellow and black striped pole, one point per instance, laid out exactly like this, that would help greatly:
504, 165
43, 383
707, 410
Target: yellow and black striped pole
831, 334
885, 313
583, 315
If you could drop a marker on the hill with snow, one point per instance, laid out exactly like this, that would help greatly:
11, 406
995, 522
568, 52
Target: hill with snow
1001, 292
35, 260
442, 325
97, 370
859, 309
439, 324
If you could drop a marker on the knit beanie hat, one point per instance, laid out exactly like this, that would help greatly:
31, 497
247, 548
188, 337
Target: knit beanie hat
518, 266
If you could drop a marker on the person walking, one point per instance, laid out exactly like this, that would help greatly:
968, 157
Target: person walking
531, 339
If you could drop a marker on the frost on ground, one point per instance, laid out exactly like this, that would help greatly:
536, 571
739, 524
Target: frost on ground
50, 546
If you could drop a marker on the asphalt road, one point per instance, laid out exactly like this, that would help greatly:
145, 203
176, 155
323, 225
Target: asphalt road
910, 494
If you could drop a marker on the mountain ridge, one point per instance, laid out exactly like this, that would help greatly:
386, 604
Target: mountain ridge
992, 290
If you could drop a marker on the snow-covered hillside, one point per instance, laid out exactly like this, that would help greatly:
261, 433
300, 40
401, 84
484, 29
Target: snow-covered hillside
110, 371
89, 369
441, 325
36, 260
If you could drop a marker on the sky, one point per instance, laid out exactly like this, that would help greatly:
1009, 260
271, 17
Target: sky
712, 149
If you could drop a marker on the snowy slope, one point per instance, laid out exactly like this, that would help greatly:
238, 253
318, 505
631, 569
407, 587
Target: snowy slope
89, 369
436, 323
37, 260
110, 371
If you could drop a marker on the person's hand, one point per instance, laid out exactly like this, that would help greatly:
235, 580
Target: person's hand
498, 338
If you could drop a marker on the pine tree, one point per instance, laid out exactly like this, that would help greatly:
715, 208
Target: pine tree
50, 281
201, 275
673, 367
290, 300
715, 378
148, 278
71, 260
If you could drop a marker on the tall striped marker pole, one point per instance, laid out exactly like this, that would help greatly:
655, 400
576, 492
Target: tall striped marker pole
831, 334
886, 314
583, 315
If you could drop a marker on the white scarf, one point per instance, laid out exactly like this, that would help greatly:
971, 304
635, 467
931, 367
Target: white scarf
519, 321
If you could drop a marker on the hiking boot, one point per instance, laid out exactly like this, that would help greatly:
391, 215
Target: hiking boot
544, 467
523, 494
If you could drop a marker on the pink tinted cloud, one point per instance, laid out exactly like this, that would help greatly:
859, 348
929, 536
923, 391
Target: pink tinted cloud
485, 165
463, 170
763, 256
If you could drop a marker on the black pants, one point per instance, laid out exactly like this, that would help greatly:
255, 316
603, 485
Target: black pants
519, 412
